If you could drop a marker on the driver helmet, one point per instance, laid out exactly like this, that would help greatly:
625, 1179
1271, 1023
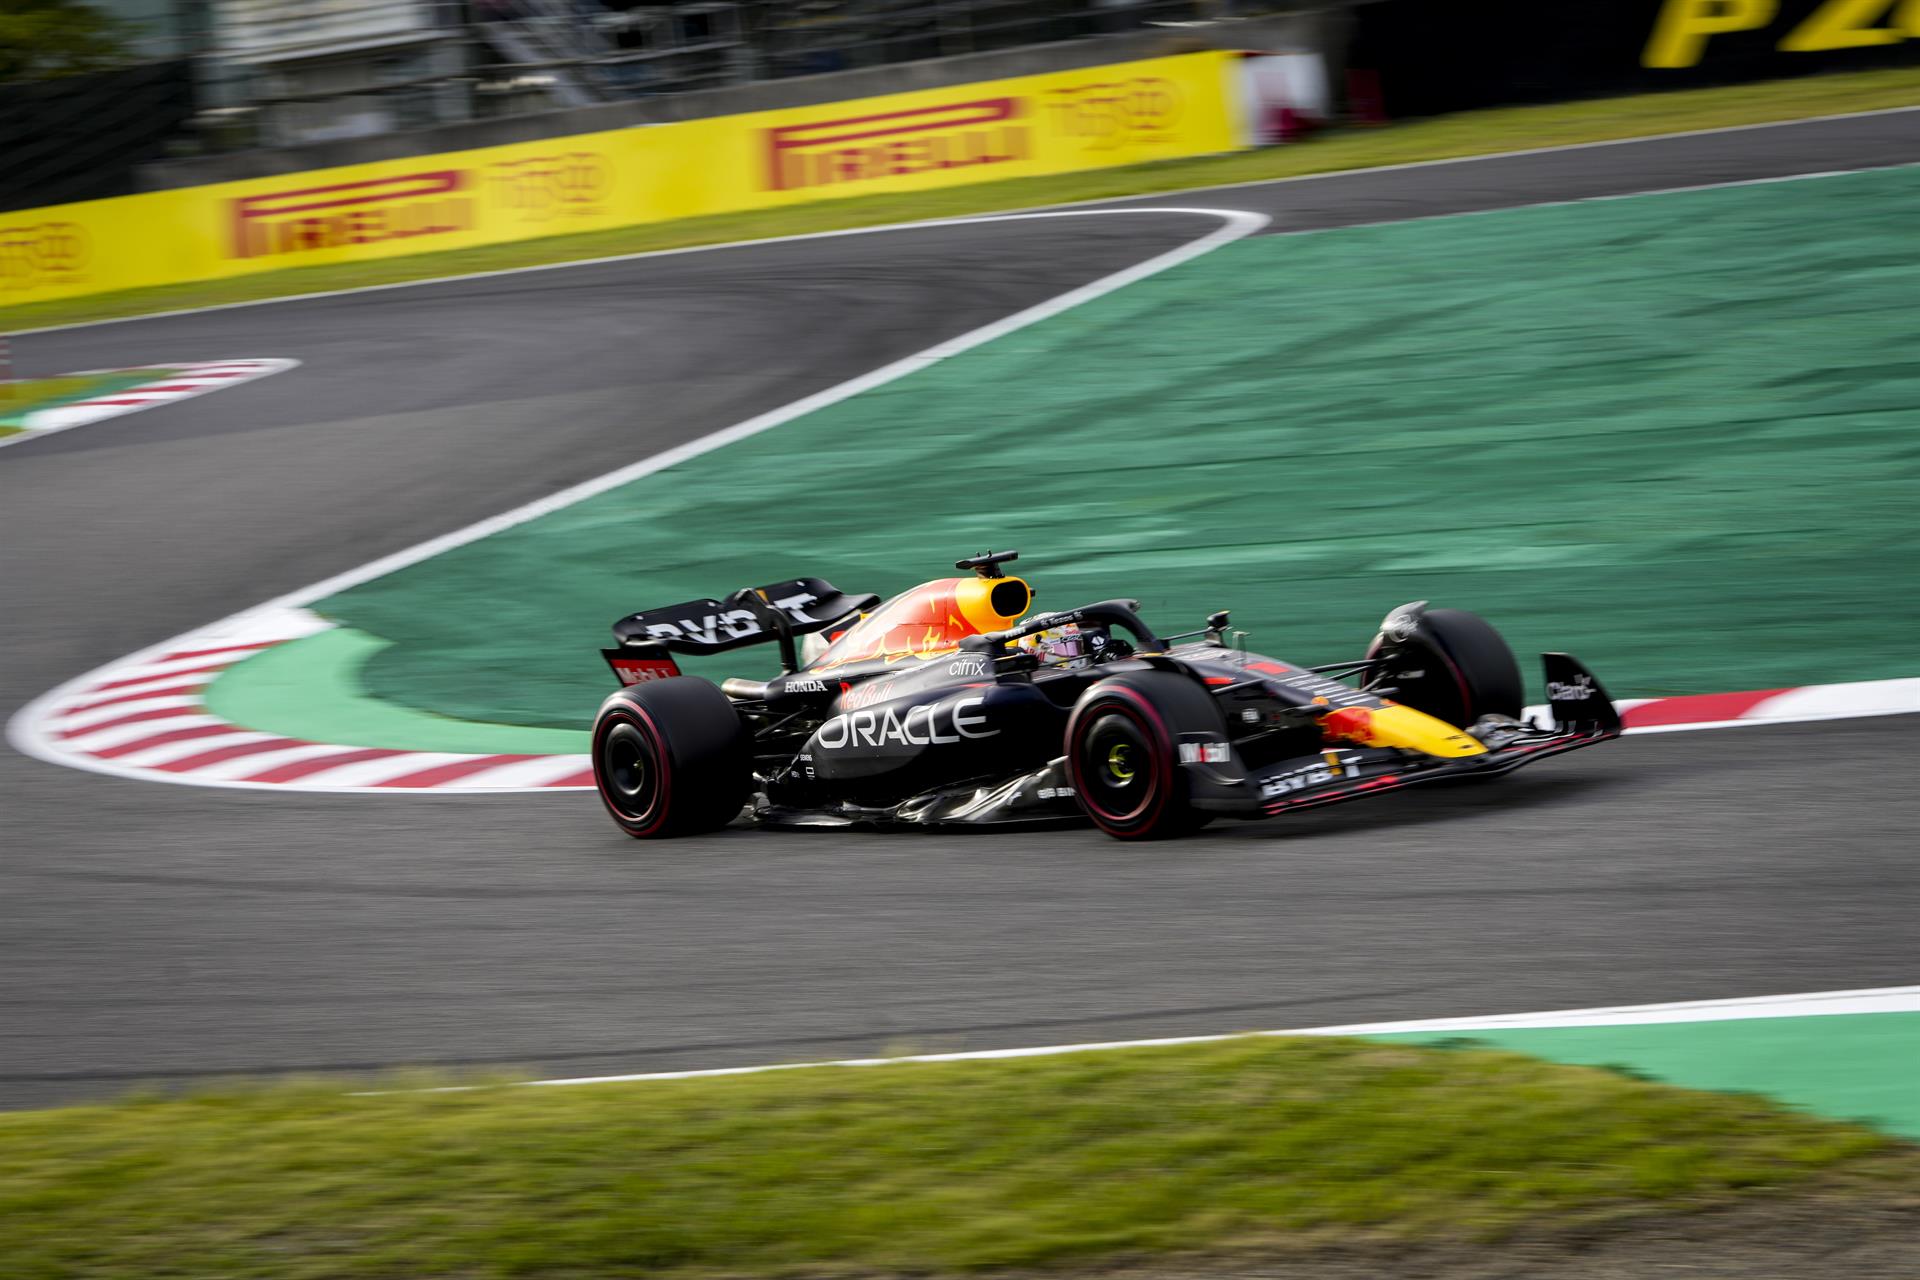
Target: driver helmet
1055, 644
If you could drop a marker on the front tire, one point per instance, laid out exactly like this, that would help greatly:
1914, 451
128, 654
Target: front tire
1455, 667
671, 758
1123, 753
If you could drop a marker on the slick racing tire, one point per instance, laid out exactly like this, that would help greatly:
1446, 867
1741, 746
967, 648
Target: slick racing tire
1123, 753
1455, 667
671, 758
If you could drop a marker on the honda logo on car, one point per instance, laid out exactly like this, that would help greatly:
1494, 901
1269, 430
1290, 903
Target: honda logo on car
418, 204
861, 148
920, 727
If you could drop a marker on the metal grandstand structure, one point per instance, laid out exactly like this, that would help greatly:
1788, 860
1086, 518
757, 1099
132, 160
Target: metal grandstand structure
307, 70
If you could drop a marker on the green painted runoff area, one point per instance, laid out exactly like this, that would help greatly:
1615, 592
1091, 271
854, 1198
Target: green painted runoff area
315, 684
1859, 1067
1674, 434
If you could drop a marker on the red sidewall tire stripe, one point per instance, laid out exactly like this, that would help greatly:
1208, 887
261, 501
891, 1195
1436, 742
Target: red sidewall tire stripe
1467, 708
637, 717
1142, 713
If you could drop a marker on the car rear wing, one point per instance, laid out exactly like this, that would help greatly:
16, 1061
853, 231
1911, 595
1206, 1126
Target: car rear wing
778, 612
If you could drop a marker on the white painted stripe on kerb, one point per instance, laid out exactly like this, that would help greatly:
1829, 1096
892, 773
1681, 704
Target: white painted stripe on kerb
125, 694
261, 626
148, 670
1872, 1000
370, 773
121, 710
249, 766
521, 775
121, 735
168, 752
1861, 698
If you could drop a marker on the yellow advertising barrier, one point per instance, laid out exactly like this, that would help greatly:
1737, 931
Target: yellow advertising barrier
1054, 123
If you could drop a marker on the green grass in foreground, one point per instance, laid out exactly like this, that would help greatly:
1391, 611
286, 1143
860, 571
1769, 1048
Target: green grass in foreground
1470, 133
1253, 1143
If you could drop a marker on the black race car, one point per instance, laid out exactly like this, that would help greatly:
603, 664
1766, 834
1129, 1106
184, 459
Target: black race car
949, 706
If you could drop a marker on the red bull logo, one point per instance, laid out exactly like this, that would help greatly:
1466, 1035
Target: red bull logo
290, 222
1348, 724
924, 140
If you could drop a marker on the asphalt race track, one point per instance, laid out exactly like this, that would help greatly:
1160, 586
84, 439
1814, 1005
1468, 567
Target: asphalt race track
166, 932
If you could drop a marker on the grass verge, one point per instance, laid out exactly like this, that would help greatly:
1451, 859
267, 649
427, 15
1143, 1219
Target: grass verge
1466, 134
1253, 1143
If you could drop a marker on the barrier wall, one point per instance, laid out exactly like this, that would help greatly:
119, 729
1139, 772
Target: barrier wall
1430, 57
1055, 123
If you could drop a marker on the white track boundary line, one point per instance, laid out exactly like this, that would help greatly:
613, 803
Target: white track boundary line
1060, 206
27, 733
1867, 1000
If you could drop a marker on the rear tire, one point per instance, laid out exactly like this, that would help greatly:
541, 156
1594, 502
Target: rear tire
1123, 753
671, 758
1456, 667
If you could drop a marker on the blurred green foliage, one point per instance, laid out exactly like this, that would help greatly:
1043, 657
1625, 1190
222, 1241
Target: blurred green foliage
40, 39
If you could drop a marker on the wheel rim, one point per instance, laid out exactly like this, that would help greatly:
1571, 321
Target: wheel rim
628, 773
1120, 779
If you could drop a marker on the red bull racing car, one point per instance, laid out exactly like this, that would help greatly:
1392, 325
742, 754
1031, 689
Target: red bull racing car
952, 705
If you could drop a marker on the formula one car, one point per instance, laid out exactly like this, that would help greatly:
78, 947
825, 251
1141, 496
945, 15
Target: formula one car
943, 707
